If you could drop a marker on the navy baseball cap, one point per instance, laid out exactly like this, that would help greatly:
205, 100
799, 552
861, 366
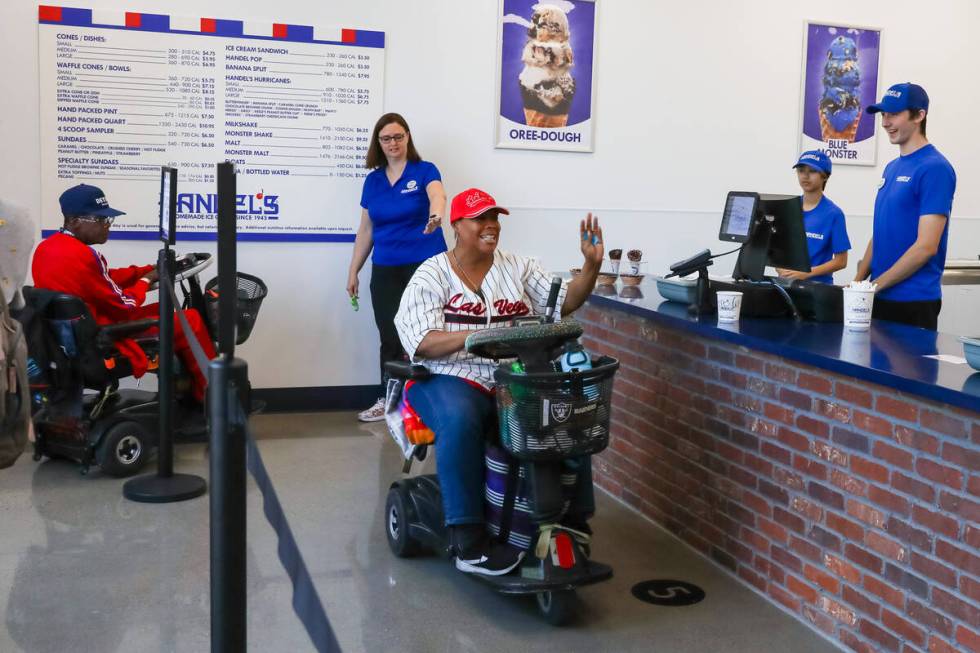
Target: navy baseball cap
817, 160
86, 200
901, 97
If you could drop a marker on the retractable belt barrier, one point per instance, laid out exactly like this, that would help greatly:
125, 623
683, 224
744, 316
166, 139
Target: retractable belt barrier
306, 601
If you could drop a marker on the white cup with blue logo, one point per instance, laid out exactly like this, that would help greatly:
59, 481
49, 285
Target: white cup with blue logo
858, 304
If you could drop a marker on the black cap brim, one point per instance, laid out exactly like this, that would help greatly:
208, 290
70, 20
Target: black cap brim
108, 212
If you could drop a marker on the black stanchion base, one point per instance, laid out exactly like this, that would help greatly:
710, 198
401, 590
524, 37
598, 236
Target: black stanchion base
164, 489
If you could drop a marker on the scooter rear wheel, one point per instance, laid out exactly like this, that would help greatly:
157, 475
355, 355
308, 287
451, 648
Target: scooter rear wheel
557, 607
397, 518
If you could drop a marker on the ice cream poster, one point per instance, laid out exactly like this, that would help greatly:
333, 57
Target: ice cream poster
546, 83
840, 79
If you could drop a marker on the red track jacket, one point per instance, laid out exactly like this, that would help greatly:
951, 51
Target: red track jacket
65, 264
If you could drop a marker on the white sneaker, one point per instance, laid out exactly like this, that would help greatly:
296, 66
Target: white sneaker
375, 413
496, 560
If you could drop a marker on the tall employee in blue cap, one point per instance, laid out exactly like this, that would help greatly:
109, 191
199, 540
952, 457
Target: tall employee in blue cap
907, 252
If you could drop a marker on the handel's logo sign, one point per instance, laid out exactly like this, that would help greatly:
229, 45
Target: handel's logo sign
206, 205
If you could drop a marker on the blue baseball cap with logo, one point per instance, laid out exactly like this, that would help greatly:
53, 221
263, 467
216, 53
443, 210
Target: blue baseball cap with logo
817, 160
901, 97
86, 200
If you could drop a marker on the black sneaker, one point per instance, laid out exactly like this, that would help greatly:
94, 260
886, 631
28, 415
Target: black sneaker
494, 559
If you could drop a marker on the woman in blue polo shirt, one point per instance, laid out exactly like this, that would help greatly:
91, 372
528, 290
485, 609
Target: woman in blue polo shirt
826, 232
402, 204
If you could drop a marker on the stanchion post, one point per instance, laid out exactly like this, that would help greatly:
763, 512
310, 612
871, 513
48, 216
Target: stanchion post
229, 387
229, 376
165, 486
166, 263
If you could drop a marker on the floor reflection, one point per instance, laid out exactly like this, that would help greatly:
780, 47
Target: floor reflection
103, 566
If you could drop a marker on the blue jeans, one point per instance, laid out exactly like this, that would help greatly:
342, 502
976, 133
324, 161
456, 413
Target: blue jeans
459, 414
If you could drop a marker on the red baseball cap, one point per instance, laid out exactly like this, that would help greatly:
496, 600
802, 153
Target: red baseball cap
472, 203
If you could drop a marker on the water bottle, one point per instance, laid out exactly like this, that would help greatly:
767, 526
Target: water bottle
575, 358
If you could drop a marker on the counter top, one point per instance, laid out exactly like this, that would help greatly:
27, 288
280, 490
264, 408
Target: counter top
890, 354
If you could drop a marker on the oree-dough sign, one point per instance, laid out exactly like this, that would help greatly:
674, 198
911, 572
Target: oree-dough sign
546, 75
124, 93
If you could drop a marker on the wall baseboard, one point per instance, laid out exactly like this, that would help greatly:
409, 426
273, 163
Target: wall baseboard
297, 400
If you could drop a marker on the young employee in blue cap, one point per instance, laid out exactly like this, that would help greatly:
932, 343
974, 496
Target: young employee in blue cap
907, 252
826, 233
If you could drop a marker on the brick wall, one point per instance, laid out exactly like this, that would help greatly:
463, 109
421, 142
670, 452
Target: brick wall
855, 507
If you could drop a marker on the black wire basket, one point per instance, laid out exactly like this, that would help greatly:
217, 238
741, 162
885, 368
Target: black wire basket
555, 415
251, 292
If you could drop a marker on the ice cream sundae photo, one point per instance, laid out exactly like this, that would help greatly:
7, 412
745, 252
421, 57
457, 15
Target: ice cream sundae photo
840, 105
547, 86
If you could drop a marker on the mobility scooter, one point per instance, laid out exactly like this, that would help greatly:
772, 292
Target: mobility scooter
548, 421
69, 354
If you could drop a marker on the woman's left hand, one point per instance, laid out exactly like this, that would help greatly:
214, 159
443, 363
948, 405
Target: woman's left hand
434, 223
591, 236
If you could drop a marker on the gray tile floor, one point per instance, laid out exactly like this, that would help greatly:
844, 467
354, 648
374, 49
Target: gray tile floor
81, 568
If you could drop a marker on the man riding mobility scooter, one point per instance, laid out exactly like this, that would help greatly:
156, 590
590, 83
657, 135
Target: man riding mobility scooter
112, 428
548, 422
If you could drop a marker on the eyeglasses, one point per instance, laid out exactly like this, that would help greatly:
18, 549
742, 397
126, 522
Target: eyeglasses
96, 218
398, 138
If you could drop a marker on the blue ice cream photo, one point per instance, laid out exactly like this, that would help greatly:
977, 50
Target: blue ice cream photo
840, 105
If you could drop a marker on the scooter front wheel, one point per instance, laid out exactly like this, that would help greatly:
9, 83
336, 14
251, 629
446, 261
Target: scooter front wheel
556, 606
397, 518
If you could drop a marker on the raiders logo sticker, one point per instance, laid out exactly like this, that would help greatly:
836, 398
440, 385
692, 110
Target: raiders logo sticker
555, 412
560, 412
567, 414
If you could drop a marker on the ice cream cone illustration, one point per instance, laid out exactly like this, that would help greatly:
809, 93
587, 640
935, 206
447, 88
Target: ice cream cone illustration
848, 133
547, 86
540, 119
840, 105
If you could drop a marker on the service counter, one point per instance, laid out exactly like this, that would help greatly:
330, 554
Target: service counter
837, 473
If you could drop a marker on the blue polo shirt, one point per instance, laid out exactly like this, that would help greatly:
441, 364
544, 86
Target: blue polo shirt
399, 213
921, 183
826, 234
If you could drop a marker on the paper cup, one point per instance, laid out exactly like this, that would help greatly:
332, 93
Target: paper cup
729, 305
857, 309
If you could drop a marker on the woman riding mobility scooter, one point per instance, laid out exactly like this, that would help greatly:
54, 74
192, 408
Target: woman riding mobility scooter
549, 422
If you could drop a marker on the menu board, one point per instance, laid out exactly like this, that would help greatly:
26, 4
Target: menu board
293, 106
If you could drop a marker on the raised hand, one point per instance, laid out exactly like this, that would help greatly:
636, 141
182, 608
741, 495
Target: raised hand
590, 234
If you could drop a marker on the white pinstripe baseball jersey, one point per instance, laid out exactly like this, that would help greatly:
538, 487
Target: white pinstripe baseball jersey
436, 299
